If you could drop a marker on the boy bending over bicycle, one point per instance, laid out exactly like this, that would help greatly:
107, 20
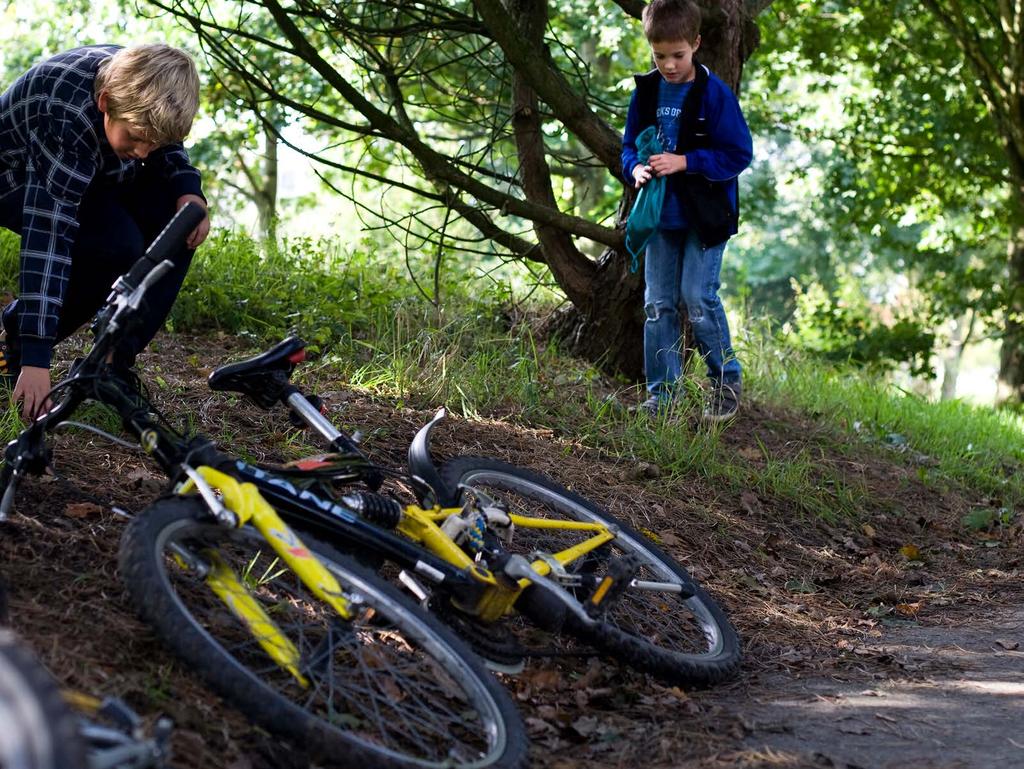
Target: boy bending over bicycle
91, 169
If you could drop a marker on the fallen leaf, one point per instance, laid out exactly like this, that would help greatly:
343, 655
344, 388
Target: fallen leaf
594, 671
750, 502
750, 453
538, 725
670, 539
802, 585
1008, 645
543, 679
585, 726
908, 609
869, 530
82, 509
911, 552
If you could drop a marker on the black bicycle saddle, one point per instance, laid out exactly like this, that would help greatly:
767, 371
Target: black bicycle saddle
264, 377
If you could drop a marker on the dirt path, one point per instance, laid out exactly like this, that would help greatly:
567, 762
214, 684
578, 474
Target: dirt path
957, 703
834, 674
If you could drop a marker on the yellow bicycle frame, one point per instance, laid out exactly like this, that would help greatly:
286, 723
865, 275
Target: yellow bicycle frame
248, 505
422, 526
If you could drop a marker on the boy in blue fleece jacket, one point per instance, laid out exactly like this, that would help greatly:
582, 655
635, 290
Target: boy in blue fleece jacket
91, 169
707, 144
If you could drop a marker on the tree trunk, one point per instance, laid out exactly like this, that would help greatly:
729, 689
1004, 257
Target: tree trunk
610, 331
604, 323
609, 328
265, 195
1011, 359
963, 329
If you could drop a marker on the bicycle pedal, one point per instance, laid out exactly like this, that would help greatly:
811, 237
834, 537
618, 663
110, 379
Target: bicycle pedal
621, 571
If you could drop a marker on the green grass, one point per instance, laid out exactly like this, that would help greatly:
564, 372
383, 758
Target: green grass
980, 447
376, 333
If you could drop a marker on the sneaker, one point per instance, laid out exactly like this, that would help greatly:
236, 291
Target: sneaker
9, 370
652, 407
724, 403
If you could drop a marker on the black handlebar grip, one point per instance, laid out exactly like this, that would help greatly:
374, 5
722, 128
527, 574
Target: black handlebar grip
170, 239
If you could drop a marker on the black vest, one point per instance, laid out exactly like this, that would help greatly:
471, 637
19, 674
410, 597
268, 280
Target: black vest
708, 207
693, 124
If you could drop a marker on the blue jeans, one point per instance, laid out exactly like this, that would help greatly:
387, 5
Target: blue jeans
679, 271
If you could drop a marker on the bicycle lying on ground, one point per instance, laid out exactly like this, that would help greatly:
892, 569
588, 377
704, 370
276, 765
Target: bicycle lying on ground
300, 637
486, 540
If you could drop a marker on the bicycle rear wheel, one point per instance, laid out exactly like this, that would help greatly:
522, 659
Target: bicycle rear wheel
680, 640
391, 687
37, 729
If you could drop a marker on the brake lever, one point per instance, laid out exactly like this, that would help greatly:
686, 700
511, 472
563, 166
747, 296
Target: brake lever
124, 297
25, 454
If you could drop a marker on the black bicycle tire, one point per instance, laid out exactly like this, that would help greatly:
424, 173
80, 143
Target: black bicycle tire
40, 730
141, 569
671, 666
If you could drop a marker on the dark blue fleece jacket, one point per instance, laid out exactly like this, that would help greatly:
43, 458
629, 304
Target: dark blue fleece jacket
721, 149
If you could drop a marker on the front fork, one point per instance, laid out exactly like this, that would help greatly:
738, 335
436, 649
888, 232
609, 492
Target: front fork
236, 504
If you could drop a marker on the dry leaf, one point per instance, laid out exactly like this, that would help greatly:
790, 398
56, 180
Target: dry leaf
911, 552
585, 725
668, 538
82, 509
543, 679
588, 679
537, 726
869, 530
908, 609
749, 501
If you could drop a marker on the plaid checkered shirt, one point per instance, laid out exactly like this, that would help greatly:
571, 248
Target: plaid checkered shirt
52, 147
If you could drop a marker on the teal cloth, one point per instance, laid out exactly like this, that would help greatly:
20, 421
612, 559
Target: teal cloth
646, 214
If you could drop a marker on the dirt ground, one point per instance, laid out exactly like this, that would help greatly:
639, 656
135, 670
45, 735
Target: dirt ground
893, 640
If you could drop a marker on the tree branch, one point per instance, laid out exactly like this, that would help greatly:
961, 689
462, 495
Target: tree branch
574, 272
434, 164
533, 62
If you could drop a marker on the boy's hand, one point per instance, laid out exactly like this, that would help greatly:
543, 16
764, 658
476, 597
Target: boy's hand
641, 175
198, 235
667, 163
32, 389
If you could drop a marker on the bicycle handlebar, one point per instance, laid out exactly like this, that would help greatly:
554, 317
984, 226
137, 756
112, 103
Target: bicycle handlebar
170, 239
129, 289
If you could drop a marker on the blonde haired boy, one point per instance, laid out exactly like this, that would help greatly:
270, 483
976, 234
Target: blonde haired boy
91, 169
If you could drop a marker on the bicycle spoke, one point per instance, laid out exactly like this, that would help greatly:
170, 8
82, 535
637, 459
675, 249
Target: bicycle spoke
364, 675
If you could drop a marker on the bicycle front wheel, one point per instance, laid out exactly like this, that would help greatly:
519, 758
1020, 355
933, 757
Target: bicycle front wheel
390, 687
37, 729
680, 640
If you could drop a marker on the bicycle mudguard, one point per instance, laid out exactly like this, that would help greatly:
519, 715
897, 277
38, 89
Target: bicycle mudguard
421, 464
